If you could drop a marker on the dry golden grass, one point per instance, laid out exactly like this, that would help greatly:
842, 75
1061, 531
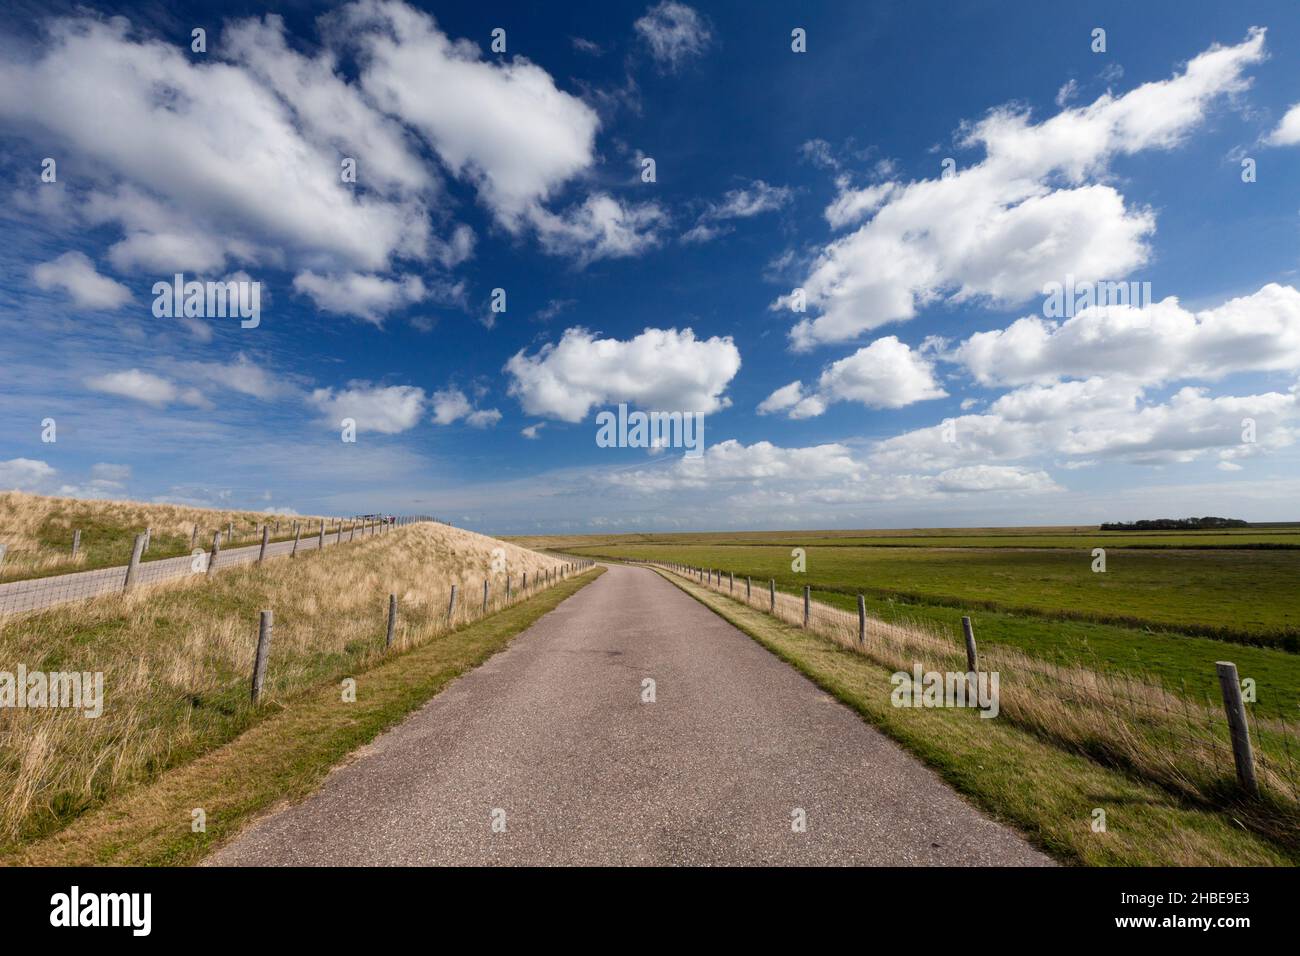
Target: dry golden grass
284, 757
177, 657
1122, 721
38, 531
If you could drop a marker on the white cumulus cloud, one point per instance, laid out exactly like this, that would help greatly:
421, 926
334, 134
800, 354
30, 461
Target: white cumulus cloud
885, 374
1033, 210
601, 227
75, 274
1097, 419
501, 124
662, 369
145, 387
368, 297
1287, 132
25, 474
1153, 343
384, 409
452, 405
205, 160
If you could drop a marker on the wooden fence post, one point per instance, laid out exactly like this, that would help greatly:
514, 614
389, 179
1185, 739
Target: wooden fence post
3, 549
807, 604
451, 606
133, 568
972, 656
194, 536
216, 550
771, 593
297, 535
507, 587
321, 545
862, 619
525, 584
148, 536
230, 531
76, 542
731, 582
263, 651
485, 595
392, 619
266, 537
1235, 708
748, 588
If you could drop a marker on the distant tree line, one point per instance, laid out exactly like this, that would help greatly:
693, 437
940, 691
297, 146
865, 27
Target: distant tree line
1174, 524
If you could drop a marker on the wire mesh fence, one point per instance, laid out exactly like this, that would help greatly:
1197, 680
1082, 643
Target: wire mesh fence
1132, 721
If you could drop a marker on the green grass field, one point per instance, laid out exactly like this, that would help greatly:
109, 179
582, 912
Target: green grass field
1277, 536
1167, 613
1247, 596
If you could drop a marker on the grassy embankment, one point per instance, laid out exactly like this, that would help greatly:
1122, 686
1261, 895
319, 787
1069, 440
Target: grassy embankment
176, 660
39, 530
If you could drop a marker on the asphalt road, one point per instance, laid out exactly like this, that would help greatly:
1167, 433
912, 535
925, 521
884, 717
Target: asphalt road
554, 732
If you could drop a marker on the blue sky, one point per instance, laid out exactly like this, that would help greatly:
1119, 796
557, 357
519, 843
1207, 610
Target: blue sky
922, 385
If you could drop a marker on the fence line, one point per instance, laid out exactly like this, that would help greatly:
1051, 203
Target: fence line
34, 594
1204, 749
429, 622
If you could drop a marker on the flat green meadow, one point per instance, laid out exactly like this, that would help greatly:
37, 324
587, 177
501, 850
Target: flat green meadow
1167, 606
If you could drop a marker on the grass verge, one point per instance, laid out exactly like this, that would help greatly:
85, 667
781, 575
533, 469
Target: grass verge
1016, 777
285, 756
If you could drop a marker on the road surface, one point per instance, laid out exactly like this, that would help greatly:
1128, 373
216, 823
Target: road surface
552, 738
